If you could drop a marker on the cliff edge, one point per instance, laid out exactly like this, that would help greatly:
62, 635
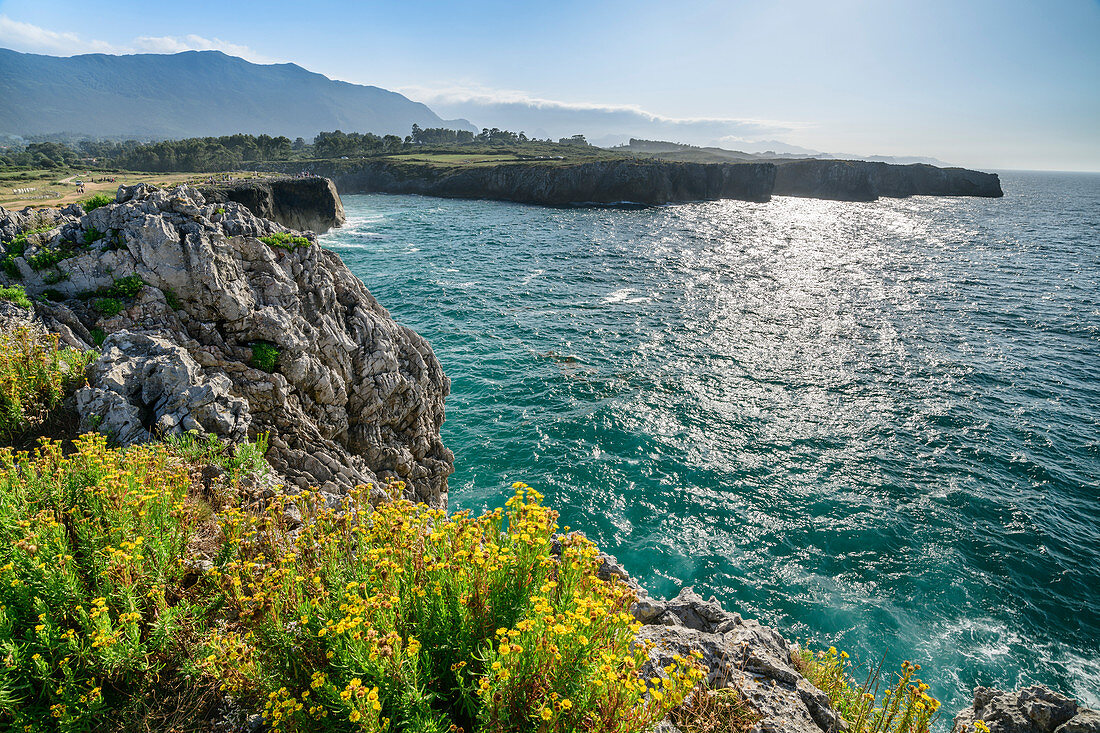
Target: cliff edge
206, 326
306, 204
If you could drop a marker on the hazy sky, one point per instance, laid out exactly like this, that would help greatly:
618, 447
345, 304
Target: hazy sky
991, 84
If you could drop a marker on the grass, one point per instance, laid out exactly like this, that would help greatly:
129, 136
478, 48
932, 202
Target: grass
35, 375
238, 460
715, 711
285, 241
15, 294
871, 706
265, 355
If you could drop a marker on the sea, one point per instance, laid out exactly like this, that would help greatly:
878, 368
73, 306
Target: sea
870, 425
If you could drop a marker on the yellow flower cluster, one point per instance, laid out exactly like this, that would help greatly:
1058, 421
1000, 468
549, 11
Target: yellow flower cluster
905, 707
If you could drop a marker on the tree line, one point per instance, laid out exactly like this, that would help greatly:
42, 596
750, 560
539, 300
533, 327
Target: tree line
231, 152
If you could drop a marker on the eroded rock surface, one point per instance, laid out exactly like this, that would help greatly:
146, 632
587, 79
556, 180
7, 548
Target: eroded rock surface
353, 397
1035, 709
741, 654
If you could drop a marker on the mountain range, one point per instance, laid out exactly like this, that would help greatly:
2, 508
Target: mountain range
192, 94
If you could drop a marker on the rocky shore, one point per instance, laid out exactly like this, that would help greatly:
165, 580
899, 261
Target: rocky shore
181, 295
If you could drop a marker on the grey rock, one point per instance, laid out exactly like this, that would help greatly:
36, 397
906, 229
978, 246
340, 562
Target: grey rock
355, 398
1035, 709
145, 387
745, 655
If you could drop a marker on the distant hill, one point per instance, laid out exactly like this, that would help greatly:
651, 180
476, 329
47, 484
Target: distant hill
192, 94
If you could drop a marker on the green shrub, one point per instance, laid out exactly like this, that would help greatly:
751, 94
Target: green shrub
264, 355
219, 210
407, 617
904, 707
398, 618
93, 235
107, 307
48, 257
16, 248
172, 299
94, 202
10, 268
92, 548
285, 241
15, 294
35, 374
53, 278
98, 336
125, 287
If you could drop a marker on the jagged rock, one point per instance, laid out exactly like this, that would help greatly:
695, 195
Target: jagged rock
1034, 709
745, 655
146, 387
353, 398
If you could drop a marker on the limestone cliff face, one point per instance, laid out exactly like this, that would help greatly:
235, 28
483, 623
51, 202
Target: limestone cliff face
306, 204
352, 396
602, 182
854, 180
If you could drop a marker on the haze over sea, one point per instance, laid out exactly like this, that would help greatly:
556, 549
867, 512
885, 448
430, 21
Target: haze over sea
870, 425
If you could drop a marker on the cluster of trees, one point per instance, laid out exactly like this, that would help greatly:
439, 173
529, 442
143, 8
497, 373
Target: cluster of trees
229, 152
40, 155
354, 145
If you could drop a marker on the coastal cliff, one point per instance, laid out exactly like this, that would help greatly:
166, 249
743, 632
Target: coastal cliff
554, 184
652, 181
306, 204
217, 320
855, 180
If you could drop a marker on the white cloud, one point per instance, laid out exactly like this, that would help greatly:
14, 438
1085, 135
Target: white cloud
28, 37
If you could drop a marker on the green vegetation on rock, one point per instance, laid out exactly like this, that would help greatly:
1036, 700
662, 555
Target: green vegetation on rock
265, 355
15, 294
35, 375
285, 241
94, 202
873, 706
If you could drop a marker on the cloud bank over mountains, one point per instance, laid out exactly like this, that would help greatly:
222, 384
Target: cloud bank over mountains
603, 124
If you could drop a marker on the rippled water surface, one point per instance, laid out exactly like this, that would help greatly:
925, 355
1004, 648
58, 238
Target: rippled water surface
872, 425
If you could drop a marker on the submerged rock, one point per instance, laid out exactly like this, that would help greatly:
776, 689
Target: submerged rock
256, 337
1035, 709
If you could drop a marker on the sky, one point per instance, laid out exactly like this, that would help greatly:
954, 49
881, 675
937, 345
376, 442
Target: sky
983, 83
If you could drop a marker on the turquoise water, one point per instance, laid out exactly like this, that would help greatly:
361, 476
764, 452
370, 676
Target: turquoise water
871, 425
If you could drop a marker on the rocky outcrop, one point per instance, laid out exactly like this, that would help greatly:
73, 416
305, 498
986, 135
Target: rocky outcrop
559, 184
855, 180
146, 386
298, 203
192, 297
1033, 709
739, 654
